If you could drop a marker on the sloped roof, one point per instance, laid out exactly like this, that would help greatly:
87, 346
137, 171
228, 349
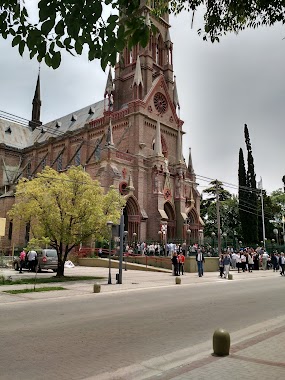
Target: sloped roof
68, 123
15, 135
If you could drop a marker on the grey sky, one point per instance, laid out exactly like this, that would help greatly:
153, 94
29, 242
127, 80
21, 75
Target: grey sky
220, 86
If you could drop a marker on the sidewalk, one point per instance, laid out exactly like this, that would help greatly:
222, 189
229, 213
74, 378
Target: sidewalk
133, 280
257, 352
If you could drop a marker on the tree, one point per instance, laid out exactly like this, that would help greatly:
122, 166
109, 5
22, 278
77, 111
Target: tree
68, 208
242, 192
72, 25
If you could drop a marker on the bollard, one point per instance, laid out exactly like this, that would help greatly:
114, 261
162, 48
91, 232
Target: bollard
177, 280
221, 342
230, 276
96, 288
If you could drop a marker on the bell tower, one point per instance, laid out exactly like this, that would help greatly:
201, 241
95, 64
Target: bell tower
137, 68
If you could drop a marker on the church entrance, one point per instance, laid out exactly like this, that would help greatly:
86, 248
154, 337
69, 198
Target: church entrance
171, 222
132, 220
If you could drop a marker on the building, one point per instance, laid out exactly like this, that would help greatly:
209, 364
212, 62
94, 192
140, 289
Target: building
131, 139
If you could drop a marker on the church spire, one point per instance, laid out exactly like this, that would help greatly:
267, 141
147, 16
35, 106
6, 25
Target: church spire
179, 147
190, 164
175, 95
36, 112
138, 73
109, 137
109, 90
157, 143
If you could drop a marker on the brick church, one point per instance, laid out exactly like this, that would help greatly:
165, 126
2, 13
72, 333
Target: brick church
131, 139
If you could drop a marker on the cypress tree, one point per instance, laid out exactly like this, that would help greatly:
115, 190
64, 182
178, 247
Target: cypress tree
242, 193
252, 193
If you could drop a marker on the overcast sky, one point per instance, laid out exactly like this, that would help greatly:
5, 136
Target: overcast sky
221, 87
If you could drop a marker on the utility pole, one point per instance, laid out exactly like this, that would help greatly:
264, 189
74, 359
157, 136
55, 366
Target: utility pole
122, 226
218, 218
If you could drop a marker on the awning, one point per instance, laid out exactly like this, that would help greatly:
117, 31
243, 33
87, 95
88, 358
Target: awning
184, 216
163, 214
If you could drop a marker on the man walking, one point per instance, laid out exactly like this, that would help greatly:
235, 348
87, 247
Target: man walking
200, 260
227, 263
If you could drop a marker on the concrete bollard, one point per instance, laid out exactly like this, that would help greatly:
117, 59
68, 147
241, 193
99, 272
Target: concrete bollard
221, 342
96, 288
177, 280
230, 276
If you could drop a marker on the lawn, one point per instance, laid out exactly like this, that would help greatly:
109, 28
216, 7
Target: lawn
46, 280
47, 289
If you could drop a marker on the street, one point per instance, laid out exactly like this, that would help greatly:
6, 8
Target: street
82, 337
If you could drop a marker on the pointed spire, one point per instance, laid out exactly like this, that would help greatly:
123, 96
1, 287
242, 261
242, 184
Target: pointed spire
36, 112
157, 143
190, 164
179, 147
168, 41
130, 186
109, 85
192, 201
175, 94
109, 137
138, 73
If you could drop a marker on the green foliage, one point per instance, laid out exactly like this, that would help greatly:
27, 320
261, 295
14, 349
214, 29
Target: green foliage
73, 25
67, 208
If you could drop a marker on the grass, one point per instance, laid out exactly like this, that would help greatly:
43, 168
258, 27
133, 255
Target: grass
46, 280
47, 289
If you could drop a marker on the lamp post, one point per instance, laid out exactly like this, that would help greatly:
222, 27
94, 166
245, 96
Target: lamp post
240, 243
160, 244
225, 240
275, 231
272, 244
201, 242
189, 239
235, 239
135, 240
110, 224
125, 234
213, 240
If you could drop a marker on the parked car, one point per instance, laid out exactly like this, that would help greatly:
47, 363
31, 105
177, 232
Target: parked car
46, 259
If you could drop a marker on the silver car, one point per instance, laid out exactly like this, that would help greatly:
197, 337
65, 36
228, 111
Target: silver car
47, 259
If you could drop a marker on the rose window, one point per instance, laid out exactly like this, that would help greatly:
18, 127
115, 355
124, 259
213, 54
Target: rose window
160, 102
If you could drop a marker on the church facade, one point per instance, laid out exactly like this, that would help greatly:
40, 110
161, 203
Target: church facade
131, 140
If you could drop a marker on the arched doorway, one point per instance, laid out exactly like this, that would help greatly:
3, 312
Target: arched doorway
194, 225
171, 222
132, 220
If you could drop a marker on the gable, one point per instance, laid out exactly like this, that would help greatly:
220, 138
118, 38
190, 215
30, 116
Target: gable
159, 102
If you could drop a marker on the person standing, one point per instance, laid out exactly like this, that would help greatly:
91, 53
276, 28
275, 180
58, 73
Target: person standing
181, 261
250, 262
22, 260
234, 260
32, 256
174, 261
221, 265
265, 257
227, 263
200, 261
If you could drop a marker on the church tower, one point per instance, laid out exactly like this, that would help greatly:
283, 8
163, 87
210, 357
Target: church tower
164, 196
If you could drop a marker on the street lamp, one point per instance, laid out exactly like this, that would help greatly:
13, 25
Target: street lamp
160, 243
189, 238
125, 235
275, 231
240, 243
135, 240
110, 224
235, 238
200, 237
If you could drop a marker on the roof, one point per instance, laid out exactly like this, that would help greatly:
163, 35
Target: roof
15, 135
68, 123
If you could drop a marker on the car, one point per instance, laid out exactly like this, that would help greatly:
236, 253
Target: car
46, 259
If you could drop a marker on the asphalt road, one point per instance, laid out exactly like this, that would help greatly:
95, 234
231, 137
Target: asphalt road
77, 338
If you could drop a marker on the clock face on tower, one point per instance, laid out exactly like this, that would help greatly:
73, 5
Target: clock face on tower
160, 102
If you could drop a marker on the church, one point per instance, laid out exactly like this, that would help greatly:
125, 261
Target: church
131, 139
